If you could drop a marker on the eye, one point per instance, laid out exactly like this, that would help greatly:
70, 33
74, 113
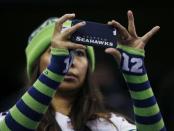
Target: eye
80, 53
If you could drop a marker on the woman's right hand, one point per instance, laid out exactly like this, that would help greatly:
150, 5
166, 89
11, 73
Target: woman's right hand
60, 39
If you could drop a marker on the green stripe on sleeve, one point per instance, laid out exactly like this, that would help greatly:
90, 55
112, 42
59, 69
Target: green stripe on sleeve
22, 119
59, 51
142, 95
153, 127
3, 126
148, 111
135, 79
131, 50
46, 90
53, 76
34, 104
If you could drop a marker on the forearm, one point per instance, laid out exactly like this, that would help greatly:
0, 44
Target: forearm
28, 111
146, 109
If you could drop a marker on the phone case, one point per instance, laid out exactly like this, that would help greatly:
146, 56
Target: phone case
94, 34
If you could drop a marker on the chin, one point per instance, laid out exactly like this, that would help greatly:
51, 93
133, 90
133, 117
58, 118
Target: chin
68, 90
68, 86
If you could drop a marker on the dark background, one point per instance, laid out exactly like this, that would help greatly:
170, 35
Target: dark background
18, 19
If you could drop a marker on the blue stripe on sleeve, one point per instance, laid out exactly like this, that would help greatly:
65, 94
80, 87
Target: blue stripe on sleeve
139, 87
145, 103
47, 81
131, 64
133, 73
30, 113
39, 96
57, 64
148, 120
13, 125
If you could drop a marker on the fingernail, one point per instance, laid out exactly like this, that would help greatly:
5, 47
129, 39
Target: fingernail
130, 12
83, 23
73, 14
109, 22
106, 50
158, 26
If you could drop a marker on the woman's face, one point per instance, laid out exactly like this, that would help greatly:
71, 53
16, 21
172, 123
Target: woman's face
77, 72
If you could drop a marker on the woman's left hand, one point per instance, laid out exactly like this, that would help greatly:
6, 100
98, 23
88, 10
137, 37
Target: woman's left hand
129, 37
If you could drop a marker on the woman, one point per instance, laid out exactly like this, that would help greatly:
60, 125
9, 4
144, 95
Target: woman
62, 98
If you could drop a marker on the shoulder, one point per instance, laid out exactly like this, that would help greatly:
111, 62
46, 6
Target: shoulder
114, 122
122, 122
2, 115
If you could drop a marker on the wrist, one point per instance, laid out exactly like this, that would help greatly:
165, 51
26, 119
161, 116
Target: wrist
131, 50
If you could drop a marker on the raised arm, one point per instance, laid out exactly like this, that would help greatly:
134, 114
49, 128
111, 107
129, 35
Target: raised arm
130, 54
28, 111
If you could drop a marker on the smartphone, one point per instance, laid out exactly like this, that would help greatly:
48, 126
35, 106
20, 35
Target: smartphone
93, 34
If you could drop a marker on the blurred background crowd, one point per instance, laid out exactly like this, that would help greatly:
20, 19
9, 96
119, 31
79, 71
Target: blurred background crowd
18, 19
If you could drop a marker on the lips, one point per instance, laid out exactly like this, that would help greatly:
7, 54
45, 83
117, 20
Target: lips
70, 77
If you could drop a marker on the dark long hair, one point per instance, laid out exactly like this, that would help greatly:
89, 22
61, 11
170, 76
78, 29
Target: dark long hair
88, 105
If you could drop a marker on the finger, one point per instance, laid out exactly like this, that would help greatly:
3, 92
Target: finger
60, 21
115, 53
68, 32
72, 45
122, 30
131, 24
149, 34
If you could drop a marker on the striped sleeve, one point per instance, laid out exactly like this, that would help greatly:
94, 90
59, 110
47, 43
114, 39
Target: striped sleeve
146, 110
28, 111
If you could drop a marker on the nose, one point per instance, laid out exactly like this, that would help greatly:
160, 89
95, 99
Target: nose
74, 62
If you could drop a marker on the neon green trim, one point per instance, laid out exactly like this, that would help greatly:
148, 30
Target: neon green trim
91, 54
38, 45
3, 126
46, 90
67, 23
39, 37
22, 119
142, 95
132, 50
148, 111
153, 127
58, 51
135, 79
34, 104
53, 76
